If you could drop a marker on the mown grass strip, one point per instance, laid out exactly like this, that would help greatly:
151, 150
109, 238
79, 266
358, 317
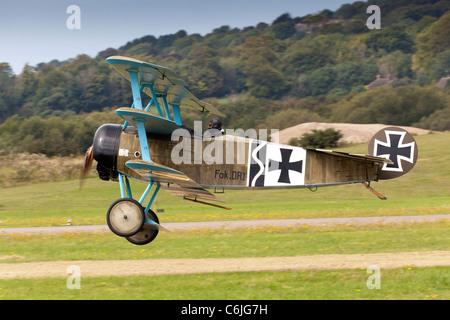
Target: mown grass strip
401, 283
245, 242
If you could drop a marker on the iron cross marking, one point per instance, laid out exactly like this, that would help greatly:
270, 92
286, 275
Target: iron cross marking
285, 165
395, 150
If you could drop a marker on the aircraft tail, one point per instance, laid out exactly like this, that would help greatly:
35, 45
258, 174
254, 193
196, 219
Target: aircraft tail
397, 145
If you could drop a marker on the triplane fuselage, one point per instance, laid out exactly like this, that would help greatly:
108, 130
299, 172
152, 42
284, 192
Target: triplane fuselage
152, 146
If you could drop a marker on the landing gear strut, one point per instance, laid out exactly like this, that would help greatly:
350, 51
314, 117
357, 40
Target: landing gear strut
127, 217
148, 232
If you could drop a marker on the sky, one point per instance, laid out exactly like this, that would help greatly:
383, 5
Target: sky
36, 31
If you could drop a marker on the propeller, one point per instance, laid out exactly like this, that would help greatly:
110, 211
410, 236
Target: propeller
88, 159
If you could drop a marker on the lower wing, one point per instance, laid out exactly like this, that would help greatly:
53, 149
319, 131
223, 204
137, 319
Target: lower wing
171, 180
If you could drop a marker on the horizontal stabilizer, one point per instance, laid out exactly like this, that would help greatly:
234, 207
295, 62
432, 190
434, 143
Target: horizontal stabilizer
353, 156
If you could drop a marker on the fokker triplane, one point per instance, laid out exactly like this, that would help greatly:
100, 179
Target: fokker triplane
154, 147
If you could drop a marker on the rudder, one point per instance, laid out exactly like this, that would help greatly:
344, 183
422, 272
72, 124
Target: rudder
397, 145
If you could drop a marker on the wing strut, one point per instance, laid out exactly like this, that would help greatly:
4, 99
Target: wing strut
137, 101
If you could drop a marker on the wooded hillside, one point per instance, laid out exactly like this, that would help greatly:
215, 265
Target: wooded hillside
297, 69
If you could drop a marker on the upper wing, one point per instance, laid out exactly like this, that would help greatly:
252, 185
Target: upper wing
171, 180
164, 82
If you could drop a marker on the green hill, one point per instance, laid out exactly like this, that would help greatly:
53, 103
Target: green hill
296, 69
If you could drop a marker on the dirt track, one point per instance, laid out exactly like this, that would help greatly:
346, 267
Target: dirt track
240, 224
188, 266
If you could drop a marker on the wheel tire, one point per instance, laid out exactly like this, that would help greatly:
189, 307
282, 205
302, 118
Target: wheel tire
145, 236
125, 217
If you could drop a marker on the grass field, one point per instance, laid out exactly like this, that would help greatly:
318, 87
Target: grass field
424, 191
407, 282
396, 284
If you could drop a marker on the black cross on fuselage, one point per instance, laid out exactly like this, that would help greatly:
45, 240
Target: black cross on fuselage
285, 165
394, 151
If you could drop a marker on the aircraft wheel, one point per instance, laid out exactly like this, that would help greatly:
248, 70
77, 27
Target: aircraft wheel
125, 217
145, 235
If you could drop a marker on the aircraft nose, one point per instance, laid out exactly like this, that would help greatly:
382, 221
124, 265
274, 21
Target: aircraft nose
106, 145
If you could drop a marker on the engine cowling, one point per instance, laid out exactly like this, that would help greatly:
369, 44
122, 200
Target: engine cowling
106, 149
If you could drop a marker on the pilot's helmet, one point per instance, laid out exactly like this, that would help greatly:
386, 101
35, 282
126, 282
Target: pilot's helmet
215, 123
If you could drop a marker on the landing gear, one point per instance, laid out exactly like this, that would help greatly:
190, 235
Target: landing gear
125, 217
148, 232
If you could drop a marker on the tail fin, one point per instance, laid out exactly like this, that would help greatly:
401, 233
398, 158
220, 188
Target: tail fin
397, 145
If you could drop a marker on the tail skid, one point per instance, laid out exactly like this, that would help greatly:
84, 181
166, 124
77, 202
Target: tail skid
375, 192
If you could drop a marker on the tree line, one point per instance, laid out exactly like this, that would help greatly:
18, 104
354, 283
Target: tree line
296, 69
53, 135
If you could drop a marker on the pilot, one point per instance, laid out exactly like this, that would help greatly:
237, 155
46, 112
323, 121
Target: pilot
216, 123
